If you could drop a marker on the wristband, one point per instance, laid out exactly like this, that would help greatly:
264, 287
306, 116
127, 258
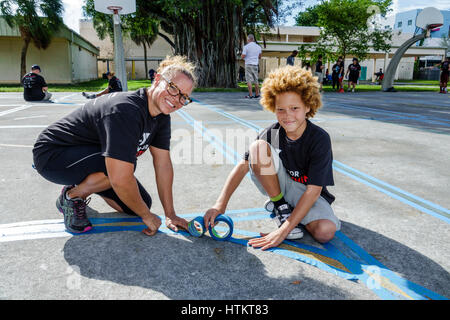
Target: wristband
196, 227
227, 235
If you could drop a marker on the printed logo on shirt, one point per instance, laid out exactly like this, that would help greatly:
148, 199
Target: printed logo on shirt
142, 144
295, 175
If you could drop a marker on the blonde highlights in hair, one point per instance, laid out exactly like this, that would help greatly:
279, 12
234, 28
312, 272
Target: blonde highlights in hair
170, 66
291, 79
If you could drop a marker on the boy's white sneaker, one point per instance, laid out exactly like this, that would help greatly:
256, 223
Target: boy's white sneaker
280, 215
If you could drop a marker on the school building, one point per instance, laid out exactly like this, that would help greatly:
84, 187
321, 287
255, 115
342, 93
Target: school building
277, 46
280, 43
134, 54
70, 58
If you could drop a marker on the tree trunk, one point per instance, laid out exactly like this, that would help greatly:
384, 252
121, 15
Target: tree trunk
209, 39
145, 60
23, 58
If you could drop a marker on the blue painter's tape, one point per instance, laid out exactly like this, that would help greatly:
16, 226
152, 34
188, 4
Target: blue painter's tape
197, 227
215, 235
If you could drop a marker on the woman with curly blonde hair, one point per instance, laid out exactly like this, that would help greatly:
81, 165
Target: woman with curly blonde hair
95, 148
290, 162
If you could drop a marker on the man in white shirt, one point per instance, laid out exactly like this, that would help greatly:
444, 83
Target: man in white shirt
251, 54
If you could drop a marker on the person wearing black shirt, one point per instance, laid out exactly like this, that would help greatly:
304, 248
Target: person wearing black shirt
445, 71
319, 71
95, 149
353, 73
290, 162
34, 86
114, 85
336, 73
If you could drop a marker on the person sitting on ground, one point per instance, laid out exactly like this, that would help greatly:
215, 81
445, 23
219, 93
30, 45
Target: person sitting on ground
95, 148
151, 75
290, 162
34, 86
379, 76
114, 85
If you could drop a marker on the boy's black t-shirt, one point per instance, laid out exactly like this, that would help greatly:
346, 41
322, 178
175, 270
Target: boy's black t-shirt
354, 69
120, 123
318, 66
444, 67
114, 85
32, 87
307, 160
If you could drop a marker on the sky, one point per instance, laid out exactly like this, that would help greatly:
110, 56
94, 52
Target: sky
73, 9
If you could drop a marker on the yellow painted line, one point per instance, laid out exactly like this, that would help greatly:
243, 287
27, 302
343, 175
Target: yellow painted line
329, 261
387, 284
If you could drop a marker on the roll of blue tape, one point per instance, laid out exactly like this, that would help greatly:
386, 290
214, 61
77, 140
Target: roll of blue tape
196, 227
227, 235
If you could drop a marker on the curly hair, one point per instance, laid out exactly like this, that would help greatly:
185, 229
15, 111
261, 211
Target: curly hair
291, 79
177, 64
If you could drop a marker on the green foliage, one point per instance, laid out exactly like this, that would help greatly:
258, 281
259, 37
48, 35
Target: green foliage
348, 29
307, 18
37, 20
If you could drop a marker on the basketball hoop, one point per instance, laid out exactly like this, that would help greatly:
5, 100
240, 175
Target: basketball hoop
114, 9
429, 18
115, 6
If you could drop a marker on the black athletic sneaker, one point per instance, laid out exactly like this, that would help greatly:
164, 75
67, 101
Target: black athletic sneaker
88, 96
74, 211
280, 215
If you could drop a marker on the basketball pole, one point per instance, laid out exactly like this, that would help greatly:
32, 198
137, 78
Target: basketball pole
119, 60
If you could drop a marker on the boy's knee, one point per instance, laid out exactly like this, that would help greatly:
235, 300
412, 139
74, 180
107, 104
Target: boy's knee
260, 154
324, 231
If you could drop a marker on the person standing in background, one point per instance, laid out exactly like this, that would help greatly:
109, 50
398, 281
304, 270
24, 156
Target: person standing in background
251, 54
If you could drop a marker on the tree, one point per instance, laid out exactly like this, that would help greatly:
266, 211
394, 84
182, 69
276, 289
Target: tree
143, 31
37, 21
308, 18
210, 32
348, 28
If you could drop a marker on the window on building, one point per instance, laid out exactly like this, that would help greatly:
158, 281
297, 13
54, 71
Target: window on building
409, 22
399, 25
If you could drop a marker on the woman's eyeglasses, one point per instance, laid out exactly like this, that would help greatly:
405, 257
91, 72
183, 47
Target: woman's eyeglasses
174, 91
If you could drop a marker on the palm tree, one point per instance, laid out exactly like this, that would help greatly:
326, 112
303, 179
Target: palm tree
143, 31
37, 21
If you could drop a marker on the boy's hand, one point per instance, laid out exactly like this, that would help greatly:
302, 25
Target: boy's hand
268, 240
210, 216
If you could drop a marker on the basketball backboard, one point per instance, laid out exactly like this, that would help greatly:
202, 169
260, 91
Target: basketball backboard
429, 18
109, 6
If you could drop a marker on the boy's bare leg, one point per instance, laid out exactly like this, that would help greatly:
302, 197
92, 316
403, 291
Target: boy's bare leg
322, 230
264, 168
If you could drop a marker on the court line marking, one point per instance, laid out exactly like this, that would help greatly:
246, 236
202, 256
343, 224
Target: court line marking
408, 198
367, 273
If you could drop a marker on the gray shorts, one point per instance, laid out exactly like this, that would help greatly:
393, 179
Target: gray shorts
251, 73
319, 76
293, 190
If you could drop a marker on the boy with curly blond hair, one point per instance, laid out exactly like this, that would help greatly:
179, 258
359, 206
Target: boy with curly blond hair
290, 162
